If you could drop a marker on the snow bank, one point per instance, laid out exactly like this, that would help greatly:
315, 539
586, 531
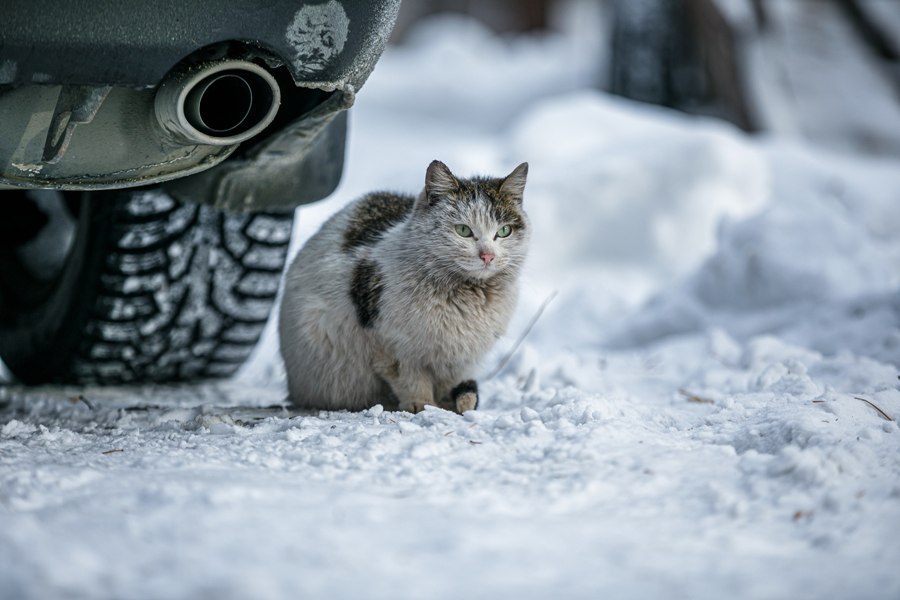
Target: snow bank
459, 62
820, 266
704, 411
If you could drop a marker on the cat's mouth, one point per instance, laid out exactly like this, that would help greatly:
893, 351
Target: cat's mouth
482, 270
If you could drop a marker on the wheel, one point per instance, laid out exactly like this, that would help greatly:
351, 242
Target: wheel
132, 286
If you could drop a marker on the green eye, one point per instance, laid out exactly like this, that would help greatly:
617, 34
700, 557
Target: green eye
504, 231
464, 230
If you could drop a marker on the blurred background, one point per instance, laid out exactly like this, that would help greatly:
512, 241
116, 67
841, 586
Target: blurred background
824, 70
696, 165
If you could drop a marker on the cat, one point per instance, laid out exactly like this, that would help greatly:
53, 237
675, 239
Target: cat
397, 299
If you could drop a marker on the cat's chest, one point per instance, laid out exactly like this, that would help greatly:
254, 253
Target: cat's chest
456, 324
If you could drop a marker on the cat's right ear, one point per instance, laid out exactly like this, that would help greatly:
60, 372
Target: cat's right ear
439, 181
514, 184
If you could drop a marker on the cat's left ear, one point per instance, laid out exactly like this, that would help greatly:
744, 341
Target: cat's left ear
514, 184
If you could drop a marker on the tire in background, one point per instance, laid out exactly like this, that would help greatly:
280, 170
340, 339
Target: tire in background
152, 290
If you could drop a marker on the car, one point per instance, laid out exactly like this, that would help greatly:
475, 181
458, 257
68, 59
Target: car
151, 157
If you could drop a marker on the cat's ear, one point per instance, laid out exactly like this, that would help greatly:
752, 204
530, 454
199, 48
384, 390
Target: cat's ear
514, 184
439, 181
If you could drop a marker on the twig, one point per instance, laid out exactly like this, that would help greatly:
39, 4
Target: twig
81, 398
875, 406
694, 397
116, 451
524, 335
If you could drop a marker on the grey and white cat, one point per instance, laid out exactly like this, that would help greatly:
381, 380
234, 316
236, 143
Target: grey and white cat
397, 299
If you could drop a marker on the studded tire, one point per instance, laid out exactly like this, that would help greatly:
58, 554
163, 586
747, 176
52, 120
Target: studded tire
151, 290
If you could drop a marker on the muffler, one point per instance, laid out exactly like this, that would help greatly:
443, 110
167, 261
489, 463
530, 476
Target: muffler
218, 104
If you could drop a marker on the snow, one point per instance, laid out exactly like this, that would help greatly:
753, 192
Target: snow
693, 416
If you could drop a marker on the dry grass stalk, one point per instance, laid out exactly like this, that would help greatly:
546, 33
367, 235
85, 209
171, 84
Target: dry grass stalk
81, 398
876, 407
524, 335
694, 397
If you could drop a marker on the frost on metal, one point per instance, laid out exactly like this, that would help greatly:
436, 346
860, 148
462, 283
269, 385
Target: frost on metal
265, 228
148, 203
258, 284
135, 264
246, 333
233, 238
8, 70
266, 257
317, 34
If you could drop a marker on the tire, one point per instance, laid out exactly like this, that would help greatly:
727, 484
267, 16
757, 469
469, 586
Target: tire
653, 56
147, 290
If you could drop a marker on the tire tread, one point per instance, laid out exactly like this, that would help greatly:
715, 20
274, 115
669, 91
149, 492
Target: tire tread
184, 293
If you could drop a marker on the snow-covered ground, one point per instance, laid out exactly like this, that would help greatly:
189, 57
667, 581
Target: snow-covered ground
693, 416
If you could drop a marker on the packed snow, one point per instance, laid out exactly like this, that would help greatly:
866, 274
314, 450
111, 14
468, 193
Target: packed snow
706, 409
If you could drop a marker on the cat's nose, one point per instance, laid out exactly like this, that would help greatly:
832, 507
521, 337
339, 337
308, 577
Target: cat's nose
487, 257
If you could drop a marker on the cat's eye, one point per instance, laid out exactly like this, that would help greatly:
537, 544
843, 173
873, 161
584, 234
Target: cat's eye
464, 230
504, 231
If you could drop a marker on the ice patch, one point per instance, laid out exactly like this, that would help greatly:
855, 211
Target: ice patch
318, 33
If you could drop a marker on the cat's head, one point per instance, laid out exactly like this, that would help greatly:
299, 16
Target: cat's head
477, 227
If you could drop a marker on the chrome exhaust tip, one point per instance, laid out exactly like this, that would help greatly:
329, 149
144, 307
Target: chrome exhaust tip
218, 104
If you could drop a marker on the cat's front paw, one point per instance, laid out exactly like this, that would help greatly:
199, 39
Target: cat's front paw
466, 402
415, 407
465, 396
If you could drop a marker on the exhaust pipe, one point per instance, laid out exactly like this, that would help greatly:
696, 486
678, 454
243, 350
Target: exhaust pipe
217, 104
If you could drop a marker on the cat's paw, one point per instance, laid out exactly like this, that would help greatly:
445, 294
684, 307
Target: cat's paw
465, 396
466, 402
415, 407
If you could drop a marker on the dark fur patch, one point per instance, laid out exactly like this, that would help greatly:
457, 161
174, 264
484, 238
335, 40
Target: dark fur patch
392, 370
365, 291
465, 294
374, 215
465, 387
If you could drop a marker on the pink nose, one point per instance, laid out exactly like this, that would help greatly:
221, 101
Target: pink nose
486, 257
